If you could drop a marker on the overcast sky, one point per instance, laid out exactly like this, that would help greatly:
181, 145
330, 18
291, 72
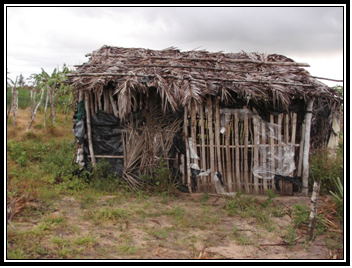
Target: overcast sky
46, 37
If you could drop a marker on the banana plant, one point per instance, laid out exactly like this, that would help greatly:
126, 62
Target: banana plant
41, 81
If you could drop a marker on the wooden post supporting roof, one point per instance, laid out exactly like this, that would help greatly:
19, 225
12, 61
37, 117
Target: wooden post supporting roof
89, 130
305, 175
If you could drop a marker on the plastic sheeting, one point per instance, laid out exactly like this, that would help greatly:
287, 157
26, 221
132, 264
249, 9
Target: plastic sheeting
193, 153
107, 140
281, 161
79, 129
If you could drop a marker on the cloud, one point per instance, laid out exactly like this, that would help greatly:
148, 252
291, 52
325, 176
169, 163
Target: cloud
49, 36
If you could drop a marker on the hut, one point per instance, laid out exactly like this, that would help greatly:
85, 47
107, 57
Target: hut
221, 121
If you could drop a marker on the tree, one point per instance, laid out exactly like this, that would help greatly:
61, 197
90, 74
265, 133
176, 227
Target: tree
57, 87
36, 80
9, 82
21, 80
42, 83
13, 102
339, 89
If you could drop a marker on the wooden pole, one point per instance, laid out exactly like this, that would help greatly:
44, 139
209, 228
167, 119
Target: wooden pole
194, 138
96, 101
203, 160
89, 130
211, 140
204, 59
272, 151
80, 96
99, 99
245, 154
279, 149
263, 158
188, 163
228, 153
113, 103
91, 105
217, 137
305, 176
256, 153
237, 149
313, 209
301, 149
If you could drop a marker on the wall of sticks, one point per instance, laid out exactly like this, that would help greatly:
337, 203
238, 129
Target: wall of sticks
236, 144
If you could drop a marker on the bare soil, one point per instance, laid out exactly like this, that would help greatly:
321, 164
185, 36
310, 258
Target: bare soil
158, 235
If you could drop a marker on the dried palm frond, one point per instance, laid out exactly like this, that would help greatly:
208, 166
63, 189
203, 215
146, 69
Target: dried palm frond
191, 91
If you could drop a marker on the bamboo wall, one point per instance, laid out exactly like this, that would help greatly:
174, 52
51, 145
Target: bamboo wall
227, 143
235, 146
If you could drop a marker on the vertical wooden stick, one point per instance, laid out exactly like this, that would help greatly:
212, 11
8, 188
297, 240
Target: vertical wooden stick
217, 136
228, 153
237, 149
194, 138
99, 99
272, 151
96, 102
313, 209
113, 103
211, 140
89, 130
106, 101
232, 151
91, 103
255, 159
202, 133
188, 163
279, 149
305, 176
245, 155
301, 149
263, 157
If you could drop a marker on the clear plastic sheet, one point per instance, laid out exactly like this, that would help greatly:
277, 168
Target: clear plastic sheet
280, 161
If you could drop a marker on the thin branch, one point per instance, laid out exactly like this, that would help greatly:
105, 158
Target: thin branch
203, 59
187, 77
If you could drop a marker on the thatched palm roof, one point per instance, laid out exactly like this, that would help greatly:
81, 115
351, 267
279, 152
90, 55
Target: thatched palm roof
180, 77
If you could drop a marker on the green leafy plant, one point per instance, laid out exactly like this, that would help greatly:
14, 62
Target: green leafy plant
338, 198
271, 196
290, 236
159, 181
204, 198
325, 168
300, 215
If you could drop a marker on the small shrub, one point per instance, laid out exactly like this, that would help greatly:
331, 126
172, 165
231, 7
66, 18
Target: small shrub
271, 196
22, 160
106, 214
338, 198
290, 236
238, 204
159, 181
204, 198
325, 168
38, 126
300, 214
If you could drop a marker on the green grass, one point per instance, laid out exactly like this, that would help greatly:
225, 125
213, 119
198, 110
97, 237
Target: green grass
39, 166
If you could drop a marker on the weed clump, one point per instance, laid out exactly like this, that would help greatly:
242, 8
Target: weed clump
326, 168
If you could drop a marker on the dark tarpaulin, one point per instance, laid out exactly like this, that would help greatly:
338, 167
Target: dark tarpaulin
107, 140
294, 180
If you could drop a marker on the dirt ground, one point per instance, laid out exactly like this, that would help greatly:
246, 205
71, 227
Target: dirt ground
155, 230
